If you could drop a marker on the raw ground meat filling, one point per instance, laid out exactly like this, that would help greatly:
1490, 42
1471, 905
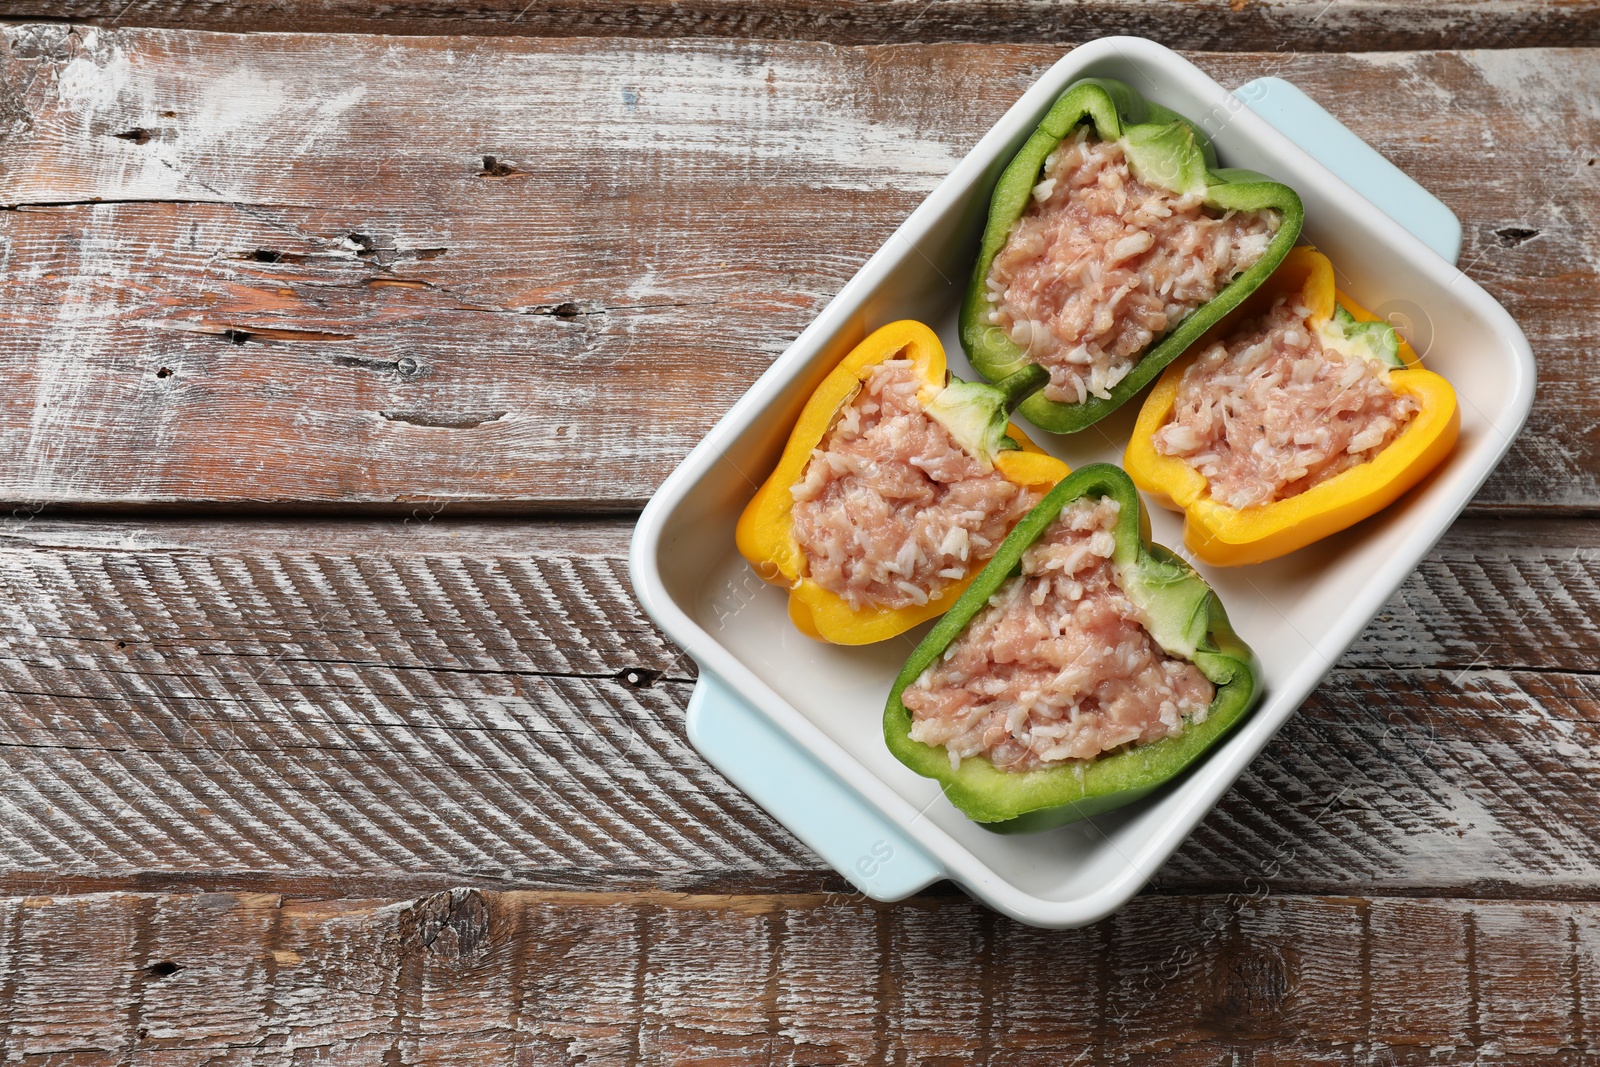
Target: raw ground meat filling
1100, 265
1058, 666
891, 510
1271, 412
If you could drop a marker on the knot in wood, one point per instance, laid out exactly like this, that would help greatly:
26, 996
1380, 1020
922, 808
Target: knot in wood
452, 925
1512, 236
496, 168
1254, 986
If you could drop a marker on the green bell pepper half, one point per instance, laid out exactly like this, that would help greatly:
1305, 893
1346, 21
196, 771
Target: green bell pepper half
1182, 614
1163, 148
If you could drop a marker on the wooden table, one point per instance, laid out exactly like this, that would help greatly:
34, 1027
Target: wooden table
333, 369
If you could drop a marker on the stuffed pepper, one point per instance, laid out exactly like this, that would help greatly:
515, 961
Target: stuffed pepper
1113, 242
1298, 417
1081, 670
896, 485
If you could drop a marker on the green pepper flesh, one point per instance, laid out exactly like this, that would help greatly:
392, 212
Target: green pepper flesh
977, 414
1165, 149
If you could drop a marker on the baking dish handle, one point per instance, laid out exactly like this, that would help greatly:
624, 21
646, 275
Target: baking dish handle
822, 811
1328, 141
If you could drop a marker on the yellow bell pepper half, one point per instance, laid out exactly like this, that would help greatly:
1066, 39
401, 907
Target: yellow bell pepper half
765, 532
1225, 536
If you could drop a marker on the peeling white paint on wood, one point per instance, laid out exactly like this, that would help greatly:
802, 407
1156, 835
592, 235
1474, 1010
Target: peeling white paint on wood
1536, 86
357, 710
429, 700
465, 976
351, 311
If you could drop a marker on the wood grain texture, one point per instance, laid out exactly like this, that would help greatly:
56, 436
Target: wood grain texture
354, 707
291, 271
1221, 25
474, 977
279, 268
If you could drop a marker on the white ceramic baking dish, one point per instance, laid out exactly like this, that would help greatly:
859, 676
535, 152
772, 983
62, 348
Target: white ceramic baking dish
796, 724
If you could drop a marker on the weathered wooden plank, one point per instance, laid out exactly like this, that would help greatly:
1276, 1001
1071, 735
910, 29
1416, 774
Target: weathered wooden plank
1372, 785
1255, 25
1383, 776
520, 711
277, 268
1495, 593
567, 978
404, 704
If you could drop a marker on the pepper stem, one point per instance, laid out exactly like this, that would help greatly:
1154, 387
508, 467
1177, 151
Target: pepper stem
1020, 386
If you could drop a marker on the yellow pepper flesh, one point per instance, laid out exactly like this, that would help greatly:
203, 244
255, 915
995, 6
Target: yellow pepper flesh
1225, 536
765, 533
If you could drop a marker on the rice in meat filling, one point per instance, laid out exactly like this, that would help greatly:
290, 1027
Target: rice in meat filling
1101, 265
1058, 666
1271, 411
891, 510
